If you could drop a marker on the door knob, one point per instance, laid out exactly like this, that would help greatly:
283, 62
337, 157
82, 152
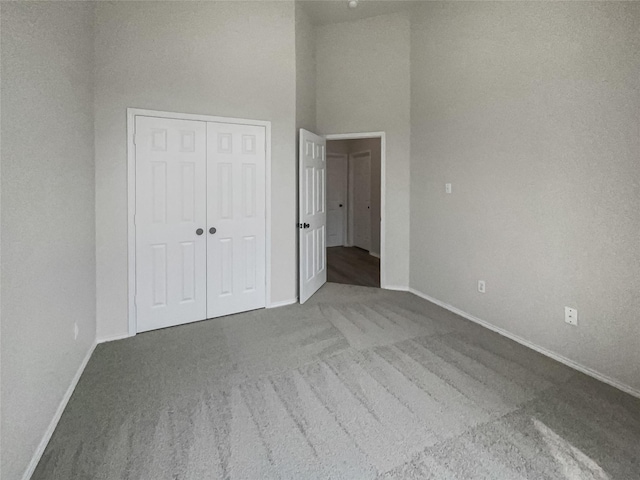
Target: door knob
212, 230
199, 231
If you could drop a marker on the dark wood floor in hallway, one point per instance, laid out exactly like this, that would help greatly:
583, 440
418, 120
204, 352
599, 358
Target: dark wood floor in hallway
353, 266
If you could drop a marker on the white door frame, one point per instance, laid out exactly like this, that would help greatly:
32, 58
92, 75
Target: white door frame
383, 190
131, 194
345, 217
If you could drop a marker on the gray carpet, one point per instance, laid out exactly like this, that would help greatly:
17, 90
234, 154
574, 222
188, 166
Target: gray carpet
359, 383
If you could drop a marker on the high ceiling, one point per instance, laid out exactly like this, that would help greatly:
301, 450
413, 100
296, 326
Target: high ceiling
323, 12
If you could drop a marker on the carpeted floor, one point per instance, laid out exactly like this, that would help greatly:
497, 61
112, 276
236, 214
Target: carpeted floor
358, 383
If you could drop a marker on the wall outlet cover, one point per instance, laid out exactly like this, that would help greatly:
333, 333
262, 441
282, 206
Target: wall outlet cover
571, 316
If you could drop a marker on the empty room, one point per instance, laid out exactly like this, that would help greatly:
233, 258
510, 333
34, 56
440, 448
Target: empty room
319, 239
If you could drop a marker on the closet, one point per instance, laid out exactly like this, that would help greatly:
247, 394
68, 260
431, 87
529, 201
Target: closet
200, 242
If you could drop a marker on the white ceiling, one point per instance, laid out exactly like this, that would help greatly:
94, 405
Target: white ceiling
323, 12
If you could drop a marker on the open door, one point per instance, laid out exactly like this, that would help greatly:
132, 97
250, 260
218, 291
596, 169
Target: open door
313, 214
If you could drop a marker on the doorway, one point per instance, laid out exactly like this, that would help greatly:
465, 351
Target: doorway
354, 207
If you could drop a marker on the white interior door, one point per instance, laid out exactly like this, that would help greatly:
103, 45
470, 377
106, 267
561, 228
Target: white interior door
313, 214
337, 170
236, 240
171, 190
360, 165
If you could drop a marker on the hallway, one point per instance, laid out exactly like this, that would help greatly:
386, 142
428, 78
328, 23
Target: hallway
353, 266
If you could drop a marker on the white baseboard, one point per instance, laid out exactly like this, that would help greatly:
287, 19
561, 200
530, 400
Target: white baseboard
284, 303
374, 254
397, 288
567, 361
56, 418
113, 338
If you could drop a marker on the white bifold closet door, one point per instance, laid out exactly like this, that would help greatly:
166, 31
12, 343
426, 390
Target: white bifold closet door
171, 205
200, 220
236, 255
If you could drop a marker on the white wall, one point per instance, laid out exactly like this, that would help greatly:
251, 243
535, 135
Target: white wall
234, 59
48, 221
305, 71
531, 111
363, 80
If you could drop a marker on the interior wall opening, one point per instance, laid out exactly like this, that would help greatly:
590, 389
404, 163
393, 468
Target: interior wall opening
354, 198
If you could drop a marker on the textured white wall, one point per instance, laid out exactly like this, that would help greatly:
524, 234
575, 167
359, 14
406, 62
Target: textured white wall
234, 59
531, 111
48, 221
363, 80
305, 71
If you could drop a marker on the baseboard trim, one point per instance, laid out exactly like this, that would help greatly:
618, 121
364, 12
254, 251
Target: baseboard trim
283, 303
560, 358
56, 418
113, 338
374, 254
397, 288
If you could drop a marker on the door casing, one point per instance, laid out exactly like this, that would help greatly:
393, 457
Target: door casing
131, 195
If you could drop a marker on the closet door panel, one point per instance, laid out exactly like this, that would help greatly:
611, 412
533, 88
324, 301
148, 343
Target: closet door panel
171, 190
236, 242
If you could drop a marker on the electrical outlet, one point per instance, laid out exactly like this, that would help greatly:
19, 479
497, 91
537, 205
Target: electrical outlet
76, 331
571, 316
481, 286
447, 187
